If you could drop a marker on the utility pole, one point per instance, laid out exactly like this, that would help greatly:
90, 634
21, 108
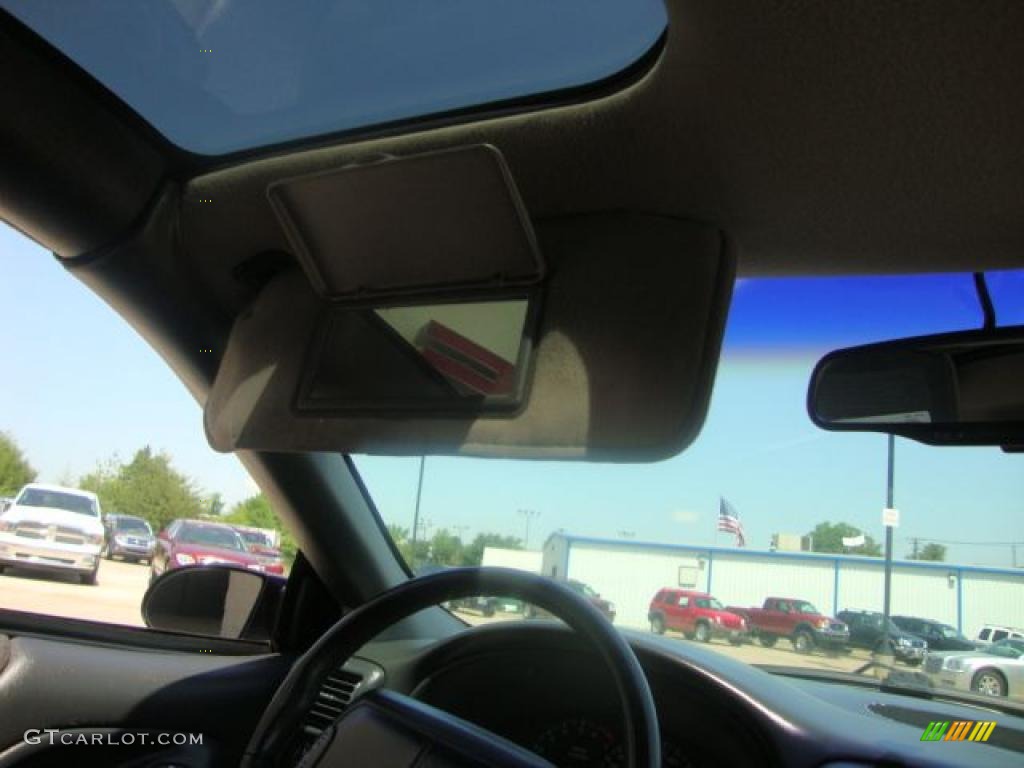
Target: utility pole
888, 543
528, 514
416, 516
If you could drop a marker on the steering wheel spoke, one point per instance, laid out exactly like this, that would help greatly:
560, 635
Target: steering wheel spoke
401, 732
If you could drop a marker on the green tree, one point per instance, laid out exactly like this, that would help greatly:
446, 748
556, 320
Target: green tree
828, 537
148, 486
473, 553
445, 548
15, 471
214, 504
397, 533
256, 512
931, 551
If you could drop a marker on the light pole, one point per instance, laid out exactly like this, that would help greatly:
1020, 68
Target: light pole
416, 516
528, 514
888, 542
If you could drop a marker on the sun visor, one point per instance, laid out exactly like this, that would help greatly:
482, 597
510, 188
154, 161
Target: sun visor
609, 356
447, 220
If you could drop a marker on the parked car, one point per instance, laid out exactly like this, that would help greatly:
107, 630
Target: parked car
129, 538
589, 593
262, 545
798, 620
938, 636
998, 670
697, 615
993, 633
868, 629
52, 528
196, 542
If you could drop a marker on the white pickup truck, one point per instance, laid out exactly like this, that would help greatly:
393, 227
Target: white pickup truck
52, 528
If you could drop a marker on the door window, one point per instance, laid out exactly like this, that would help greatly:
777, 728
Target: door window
98, 440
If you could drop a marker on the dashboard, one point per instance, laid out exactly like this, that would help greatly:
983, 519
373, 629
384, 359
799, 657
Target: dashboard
560, 704
556, 699
541, 688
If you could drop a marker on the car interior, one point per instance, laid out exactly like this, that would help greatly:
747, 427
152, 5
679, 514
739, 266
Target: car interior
599, 229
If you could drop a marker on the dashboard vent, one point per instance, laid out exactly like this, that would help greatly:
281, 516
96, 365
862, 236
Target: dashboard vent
335, 694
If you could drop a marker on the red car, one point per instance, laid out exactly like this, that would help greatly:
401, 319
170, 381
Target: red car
695, 614
197, 542
257, 542
795, 619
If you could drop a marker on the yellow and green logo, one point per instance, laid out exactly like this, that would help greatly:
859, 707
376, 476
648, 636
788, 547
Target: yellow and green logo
959, 730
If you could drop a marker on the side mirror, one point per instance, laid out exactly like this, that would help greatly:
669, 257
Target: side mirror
948, 389
216, 600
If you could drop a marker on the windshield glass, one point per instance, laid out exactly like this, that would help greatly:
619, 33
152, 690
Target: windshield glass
256, 538
210, 536
70, 502
808, 502
1008, 648
133, 525
215, 77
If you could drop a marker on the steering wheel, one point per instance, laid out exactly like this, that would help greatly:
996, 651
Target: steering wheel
384, 728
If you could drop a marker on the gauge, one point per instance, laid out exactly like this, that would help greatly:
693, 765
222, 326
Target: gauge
673, 756
580, 742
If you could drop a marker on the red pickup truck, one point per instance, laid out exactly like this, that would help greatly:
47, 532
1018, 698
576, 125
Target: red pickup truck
797, 620
695, 614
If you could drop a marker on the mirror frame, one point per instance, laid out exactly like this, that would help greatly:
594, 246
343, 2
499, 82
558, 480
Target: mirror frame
1008, 435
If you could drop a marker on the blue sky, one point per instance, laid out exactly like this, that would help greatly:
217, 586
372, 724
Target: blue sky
77, 386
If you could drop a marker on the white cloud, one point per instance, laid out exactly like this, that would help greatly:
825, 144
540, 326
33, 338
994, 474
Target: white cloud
685, 516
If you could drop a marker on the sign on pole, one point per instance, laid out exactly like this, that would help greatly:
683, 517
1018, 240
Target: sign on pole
891, 517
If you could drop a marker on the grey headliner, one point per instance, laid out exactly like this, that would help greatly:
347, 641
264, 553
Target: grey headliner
820, 136
823, 137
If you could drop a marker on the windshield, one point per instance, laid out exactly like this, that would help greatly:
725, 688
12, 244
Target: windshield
256, 538
808, 503
215, 77
1012, 649
210, 536
133, 525
711, 603
70, 502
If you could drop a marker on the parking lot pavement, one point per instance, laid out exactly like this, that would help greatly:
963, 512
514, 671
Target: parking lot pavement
117, 598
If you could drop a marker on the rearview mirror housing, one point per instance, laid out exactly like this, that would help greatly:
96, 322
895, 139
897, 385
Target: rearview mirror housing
960, 388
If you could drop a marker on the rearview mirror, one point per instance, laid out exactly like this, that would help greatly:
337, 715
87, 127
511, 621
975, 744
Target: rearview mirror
949, 389
214, 601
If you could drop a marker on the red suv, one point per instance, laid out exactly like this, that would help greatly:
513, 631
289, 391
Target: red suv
196, 542
695, 614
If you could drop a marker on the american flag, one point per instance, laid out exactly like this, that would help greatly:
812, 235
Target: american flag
729, 521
